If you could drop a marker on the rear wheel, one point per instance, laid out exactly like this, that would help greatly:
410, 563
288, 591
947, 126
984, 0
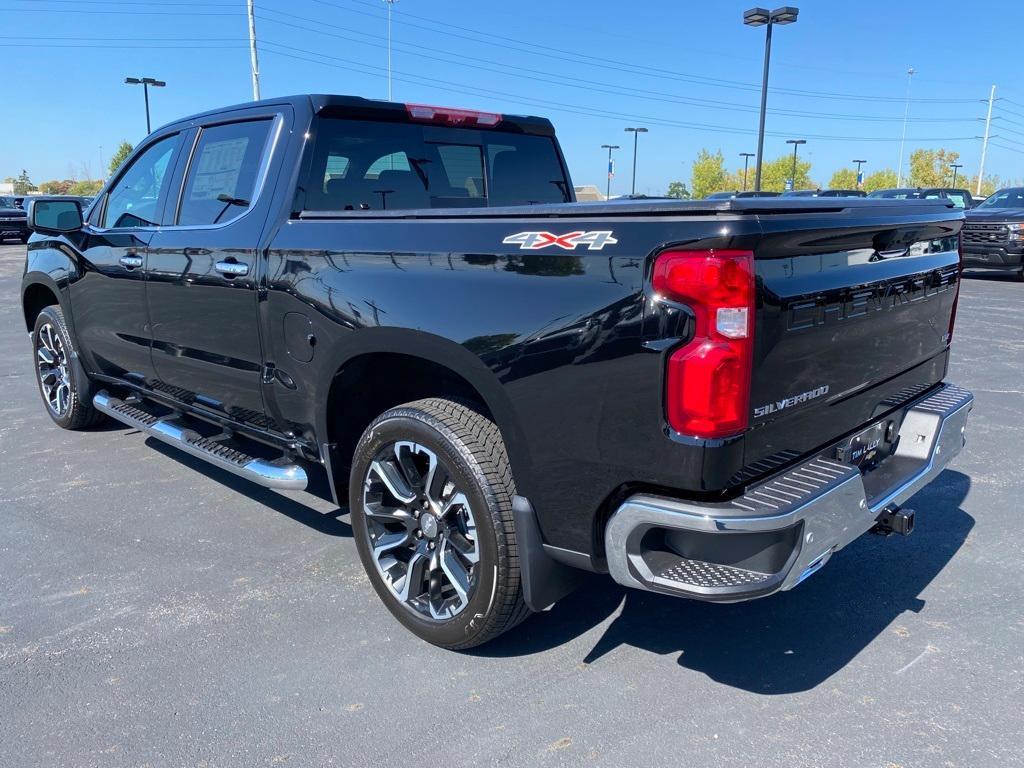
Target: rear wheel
431, 500
63, 386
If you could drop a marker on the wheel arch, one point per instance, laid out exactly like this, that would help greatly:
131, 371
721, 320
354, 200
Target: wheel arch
37, 293
384, 367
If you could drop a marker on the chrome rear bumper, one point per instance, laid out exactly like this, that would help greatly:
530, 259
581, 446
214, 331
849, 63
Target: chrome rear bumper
784, 529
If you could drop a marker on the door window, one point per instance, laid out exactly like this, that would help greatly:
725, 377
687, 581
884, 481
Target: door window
136, 198
222, 178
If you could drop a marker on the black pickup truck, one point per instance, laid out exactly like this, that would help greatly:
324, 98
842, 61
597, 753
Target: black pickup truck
994, 232
705, 399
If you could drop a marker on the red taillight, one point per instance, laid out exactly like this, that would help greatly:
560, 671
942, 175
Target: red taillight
464, 117
707, 386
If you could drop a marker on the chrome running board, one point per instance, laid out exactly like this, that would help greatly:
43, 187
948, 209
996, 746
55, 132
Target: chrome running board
278, 473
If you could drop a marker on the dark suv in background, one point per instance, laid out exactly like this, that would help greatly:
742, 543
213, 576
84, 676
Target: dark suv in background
993, 234
13, 221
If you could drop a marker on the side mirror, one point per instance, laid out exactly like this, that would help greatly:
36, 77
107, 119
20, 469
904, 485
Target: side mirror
55, 216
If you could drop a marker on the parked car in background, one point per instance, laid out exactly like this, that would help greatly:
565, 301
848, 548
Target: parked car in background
993, 234
843, 193
961, 198
741, 195
13, 221
801, 193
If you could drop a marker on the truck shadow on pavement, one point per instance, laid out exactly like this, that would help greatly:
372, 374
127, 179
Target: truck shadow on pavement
327, 523
789, 642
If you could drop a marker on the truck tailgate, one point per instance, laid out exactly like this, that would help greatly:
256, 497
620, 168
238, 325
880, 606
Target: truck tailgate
853, 319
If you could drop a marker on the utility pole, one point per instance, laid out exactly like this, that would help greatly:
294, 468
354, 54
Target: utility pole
746, 162
906, 114
252, 53
955, 167
859, 163
611, 169
984, 143
636, 133
389, 4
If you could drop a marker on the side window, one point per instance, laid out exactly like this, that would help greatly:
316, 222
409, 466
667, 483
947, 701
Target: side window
463, 166
134, 200
221, 179
524, 170
396, 161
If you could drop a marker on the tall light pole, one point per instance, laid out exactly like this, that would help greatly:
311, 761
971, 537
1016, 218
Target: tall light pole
760, 17
906, 114
746, 162
636, 133
955, 167
984, 143
253, 57
859, 163
389, 4
145, 82
796, 143
611, 169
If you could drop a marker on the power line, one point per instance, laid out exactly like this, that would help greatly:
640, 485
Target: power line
461, 88
631, 68
590, 85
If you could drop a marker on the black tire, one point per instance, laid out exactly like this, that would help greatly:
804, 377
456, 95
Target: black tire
469, 448
73, 409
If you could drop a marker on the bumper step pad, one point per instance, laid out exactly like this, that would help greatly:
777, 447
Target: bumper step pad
278, 473
697, 573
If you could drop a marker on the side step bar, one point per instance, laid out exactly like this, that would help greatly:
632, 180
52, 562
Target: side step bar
270, 474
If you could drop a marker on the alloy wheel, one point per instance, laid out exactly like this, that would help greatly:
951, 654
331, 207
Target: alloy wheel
52, 366
421, 530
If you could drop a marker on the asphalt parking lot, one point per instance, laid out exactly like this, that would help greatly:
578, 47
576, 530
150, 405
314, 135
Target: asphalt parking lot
157, 612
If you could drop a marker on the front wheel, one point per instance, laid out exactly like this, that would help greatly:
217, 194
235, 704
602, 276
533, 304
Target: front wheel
62, 384
431, 501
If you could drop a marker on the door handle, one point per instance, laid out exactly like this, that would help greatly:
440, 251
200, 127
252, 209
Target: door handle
131, 261
232, 268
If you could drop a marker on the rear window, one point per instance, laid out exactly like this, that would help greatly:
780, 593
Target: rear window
368, 166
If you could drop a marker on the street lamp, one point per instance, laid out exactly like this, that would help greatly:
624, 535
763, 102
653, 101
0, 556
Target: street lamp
859, 164
955, 167
762, 17
746, 161
636, 132
796, 143
611, 169
145, 82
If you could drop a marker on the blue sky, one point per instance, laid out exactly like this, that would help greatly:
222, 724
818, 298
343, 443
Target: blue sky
688, 72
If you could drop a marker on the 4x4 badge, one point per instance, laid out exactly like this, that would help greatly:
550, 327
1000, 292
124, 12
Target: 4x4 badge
533, 241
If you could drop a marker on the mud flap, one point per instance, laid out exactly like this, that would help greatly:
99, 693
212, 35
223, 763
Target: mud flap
545, 581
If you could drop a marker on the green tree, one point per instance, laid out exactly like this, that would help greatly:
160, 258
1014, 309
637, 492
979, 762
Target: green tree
930, 167
776, 172
844, 178
55, 187
85, 188
120, 155
23, 184
708, 175
678, 190
988, 185
883, 179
